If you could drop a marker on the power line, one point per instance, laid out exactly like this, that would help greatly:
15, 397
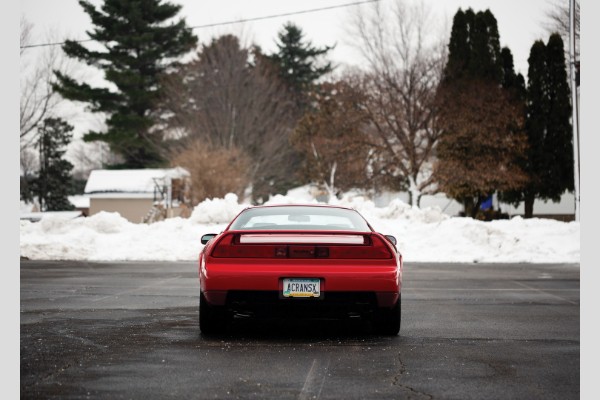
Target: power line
239, 21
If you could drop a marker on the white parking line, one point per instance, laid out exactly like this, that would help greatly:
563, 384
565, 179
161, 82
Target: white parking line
136, 289
312, 381
545, 292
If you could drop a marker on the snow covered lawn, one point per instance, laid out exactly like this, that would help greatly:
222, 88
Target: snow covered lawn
424, 235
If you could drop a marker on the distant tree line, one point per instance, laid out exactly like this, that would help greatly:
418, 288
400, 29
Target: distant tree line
425, 114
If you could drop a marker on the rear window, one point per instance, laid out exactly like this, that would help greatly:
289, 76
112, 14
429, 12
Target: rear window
300, 218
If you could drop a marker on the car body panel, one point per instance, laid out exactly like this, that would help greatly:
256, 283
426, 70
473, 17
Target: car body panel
222, 275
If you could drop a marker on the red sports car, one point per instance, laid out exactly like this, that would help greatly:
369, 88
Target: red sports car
299, 261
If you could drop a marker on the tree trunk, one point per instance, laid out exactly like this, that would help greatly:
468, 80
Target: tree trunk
471, 206
529, 199
475, 209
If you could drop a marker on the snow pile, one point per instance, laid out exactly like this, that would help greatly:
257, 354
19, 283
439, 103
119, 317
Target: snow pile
217, 211
396, 209
424, 235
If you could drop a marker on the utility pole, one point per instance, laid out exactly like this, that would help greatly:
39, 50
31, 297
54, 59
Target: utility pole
575, 103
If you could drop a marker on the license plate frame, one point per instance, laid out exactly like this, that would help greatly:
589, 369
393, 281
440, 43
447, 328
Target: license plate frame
301, 288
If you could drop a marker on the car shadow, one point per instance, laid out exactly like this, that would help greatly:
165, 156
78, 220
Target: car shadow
298, 330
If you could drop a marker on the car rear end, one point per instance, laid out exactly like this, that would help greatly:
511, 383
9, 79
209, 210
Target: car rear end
301, 273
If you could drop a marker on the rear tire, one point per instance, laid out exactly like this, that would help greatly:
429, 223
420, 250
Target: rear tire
388, 320
212, 319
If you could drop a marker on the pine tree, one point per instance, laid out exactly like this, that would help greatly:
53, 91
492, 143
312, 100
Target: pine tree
140, 45
510, 80
481, 112
549, 157
54, 181
559, 134
515, 85
484, 60
459, 48
298, 59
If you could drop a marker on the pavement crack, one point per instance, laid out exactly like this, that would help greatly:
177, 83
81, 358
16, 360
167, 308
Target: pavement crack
397, 382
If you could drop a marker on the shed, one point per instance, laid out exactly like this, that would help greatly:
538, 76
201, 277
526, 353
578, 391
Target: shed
139, 195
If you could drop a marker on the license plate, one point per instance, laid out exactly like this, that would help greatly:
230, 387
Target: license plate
301, 287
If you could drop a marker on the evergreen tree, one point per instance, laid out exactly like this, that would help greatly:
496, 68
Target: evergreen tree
140, 45
54, 181
459, 48
549, 157
299, 65
510, 80
474, 48
298, 59
515, 85
485, 61
482, 112
559, 174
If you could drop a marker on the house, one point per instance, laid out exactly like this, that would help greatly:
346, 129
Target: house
139, 195
80, 203
564, 210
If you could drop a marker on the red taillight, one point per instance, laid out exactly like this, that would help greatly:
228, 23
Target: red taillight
236, 245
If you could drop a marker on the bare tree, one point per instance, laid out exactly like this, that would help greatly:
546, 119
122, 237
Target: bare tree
87, 156
559, 21
405, 59
230, 97
37, 98
25, 37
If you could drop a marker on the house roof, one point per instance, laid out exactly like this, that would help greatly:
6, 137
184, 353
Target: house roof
130, 181
79, 201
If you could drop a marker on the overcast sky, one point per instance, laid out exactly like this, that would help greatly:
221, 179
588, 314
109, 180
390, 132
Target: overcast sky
520, 22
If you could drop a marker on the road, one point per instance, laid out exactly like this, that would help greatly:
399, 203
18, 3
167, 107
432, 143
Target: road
130, 330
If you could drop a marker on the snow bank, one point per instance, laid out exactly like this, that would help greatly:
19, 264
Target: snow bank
217, 211
424, 235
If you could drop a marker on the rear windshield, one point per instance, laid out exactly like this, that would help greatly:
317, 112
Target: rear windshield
300, 217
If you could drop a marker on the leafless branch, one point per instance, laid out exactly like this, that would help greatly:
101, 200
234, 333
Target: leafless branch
559, 21
230, 97
405, 58
37, 99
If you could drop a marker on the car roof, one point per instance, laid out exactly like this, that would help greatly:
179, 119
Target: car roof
300, 205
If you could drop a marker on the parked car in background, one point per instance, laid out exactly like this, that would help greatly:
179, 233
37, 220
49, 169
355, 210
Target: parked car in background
299, 261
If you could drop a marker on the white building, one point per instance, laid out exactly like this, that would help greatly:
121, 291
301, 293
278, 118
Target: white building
139, 194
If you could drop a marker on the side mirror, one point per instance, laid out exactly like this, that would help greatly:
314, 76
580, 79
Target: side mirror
391, 239
206, 238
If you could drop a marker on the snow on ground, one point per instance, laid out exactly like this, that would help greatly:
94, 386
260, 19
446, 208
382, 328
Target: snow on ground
424, 235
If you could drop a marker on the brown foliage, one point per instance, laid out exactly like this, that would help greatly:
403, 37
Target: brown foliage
482, 142
215, 170
332, 138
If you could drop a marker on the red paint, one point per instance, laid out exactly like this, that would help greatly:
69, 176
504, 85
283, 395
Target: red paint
226, 264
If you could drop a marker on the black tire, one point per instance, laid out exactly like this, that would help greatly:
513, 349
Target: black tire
388, 320
212, 319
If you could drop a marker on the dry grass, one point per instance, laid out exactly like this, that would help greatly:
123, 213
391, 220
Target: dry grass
215, 171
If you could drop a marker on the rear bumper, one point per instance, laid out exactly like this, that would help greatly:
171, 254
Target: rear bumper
263, 304
383, 278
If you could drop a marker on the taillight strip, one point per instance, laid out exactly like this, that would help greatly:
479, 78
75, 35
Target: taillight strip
302, 238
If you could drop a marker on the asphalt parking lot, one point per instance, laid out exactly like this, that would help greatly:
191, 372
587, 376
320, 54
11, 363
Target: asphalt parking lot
130, 330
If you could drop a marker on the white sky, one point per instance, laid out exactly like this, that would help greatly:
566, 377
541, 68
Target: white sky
520, 22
